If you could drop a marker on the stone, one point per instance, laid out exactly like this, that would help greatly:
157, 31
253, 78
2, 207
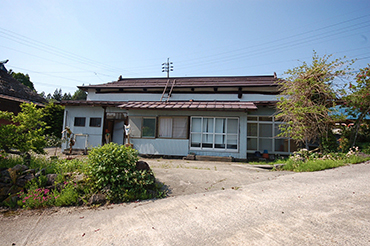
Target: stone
41, 172
24, 179
97, 199
19, 168
79, 177
51, 178
142, 165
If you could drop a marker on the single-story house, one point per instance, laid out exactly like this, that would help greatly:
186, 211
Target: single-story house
13, 93
229, 116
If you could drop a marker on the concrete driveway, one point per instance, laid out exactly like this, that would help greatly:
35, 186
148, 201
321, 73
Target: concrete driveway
330, 207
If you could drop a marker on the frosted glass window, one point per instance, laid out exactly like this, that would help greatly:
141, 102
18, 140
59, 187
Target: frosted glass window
232, 126
196, 125
220, 125
208, 125
196, 140
180, 127
165, 127
135, 123
214, 133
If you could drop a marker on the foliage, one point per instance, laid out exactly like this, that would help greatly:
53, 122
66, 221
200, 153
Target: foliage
67, 96
40, 197
79, 95
53, 117
23, 78
308, 98
308, 161
26, 133
113, 171
358, 101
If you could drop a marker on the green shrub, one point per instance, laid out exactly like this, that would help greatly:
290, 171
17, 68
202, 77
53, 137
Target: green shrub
112, 170
68, 195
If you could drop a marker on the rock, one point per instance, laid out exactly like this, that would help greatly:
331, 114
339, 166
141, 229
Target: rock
19, 168
97, 199
24, 179
11, 200
51, 178
41, 172
29, 171
77, 178
142, 165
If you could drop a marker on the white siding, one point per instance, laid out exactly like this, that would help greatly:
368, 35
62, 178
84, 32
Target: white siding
94, 133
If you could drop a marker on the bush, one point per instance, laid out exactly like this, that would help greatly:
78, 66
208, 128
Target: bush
112, 171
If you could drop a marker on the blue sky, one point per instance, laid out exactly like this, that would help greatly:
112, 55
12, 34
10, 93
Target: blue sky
63, 44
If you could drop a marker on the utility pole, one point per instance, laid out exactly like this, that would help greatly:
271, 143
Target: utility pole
167, 67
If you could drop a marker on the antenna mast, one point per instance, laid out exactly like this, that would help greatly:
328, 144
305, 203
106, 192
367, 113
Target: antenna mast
167, 67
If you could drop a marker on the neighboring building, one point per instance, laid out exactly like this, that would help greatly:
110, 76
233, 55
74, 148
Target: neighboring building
13, 93
207, 116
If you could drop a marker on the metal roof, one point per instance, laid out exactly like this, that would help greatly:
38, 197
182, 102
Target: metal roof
188, 82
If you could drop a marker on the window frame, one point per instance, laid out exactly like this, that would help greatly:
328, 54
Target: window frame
173, 127
256, 119
207, 138
95, 118
141, 126
76, 120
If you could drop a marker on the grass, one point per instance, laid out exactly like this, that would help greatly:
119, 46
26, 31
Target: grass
317, 164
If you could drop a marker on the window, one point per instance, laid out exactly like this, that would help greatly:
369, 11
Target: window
80, 121
95, 122
148, 128
214, 133
173, 127
262, 134
143, 127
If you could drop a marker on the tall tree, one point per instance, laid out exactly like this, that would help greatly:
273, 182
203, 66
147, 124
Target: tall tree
309, 97
57, 95
23, 78
79, 95
67, 96
53, 117
358, 100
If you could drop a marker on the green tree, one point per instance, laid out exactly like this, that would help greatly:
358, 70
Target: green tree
308, 99
27, 132
53, 117
23, 78
358, 101
57, 95
79, 95
67, 96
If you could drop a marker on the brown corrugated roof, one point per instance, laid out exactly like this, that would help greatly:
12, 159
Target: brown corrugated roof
191, 105
174, 105
188, 82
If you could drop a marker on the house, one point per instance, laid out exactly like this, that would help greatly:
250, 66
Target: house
229, 116
13, 93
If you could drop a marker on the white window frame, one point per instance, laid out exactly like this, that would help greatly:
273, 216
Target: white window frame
212, 135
